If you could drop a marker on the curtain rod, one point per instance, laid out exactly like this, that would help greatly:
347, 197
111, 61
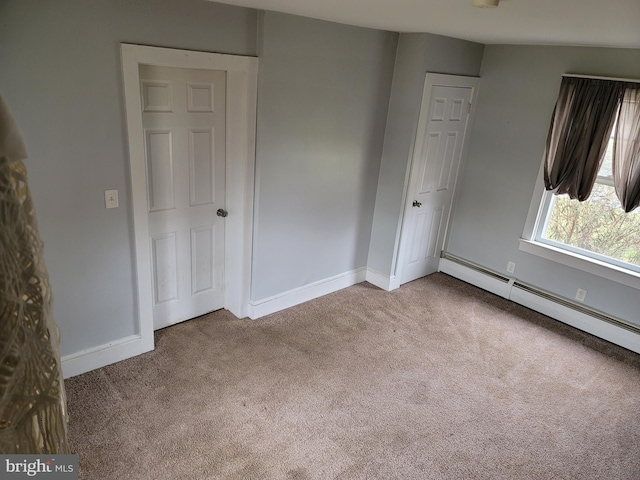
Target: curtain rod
595, 77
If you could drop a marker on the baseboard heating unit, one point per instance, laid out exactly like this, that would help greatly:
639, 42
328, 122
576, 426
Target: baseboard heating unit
577, 315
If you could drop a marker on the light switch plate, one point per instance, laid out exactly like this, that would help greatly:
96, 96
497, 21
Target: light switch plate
111, 198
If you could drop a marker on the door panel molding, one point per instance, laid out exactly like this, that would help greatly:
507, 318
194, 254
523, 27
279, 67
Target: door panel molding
434, 178
242, 73
196, 183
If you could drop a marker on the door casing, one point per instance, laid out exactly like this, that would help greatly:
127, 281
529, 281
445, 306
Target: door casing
242, 74
431, 80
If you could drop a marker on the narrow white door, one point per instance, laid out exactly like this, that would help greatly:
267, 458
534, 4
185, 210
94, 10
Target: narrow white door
442, 126
183, 115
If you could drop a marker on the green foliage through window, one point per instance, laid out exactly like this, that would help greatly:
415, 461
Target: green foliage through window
598, 225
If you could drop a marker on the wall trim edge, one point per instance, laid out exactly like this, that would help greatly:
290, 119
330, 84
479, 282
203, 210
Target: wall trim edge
474, 277
380, 280
565, 314
296, 296
103, 355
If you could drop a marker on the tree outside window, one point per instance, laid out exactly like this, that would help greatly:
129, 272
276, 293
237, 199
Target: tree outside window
598, 226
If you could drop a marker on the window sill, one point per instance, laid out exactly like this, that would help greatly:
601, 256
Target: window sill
580, 262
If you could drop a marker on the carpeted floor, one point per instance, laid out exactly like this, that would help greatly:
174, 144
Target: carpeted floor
436, 380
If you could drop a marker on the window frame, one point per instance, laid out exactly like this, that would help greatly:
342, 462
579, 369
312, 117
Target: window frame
589, 262
539, 212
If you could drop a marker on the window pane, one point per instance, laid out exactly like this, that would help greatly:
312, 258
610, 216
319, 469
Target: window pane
597, 225
606, 169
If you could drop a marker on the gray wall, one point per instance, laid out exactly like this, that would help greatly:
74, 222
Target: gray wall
60, 75
322, 105
418, 53
517, 95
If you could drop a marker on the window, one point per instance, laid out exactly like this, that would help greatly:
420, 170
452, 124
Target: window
597, 228
593, 120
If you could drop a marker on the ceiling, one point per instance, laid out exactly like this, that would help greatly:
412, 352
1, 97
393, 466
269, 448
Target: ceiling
607, 23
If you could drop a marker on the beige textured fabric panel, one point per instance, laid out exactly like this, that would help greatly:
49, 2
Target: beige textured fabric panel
33, 415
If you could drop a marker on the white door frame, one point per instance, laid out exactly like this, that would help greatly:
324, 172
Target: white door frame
431, 80
242, 81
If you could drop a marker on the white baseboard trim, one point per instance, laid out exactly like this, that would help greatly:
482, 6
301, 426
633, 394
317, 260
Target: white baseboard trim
582, 321
266, 306
102, 355
381, 280
500, 287
579, 320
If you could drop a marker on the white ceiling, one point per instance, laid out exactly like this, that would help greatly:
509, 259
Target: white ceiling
608, 23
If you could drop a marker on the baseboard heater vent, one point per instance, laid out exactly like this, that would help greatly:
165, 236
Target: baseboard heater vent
575, 306
542, 294
474, 266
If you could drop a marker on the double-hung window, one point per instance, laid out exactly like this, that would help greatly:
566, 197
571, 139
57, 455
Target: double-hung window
594, 235
597, 228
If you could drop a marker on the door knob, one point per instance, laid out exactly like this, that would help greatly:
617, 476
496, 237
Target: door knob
416, 203
222, 213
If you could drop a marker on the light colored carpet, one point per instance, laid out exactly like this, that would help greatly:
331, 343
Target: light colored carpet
436, 380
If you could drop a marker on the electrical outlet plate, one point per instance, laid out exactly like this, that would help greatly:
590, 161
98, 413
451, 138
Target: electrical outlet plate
581, 295
111, 198
511, 267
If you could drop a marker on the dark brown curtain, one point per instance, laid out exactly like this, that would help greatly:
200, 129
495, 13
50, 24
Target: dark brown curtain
580, 129
626, 150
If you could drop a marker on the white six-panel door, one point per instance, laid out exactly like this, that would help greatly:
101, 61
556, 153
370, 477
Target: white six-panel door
183, 115
442, 126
